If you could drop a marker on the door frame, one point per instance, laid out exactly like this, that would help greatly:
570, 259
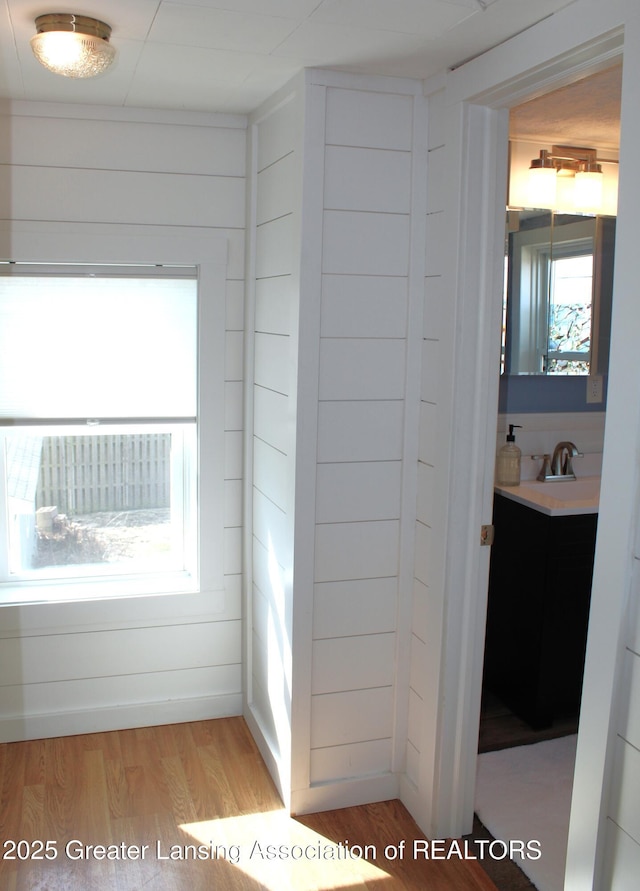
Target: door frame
476, 131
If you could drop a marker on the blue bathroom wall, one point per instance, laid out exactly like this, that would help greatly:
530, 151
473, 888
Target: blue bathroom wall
534, 393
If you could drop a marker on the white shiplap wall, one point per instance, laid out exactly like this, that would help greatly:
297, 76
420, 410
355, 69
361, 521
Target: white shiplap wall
623, 823
272, 356
328, 354
429, 529
97, 665
366, 242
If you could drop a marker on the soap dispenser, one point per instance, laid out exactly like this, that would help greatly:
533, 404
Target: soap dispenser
509, 459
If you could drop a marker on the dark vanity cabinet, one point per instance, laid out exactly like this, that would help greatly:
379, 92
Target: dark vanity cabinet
538, 610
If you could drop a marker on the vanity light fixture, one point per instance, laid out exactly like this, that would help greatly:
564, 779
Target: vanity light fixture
566, 177
72, 45
542, 180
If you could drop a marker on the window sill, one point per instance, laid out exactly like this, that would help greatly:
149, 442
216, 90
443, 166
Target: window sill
73, 590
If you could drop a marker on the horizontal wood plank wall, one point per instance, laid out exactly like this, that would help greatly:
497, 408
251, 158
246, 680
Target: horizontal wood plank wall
74, 668
274, 295
365, 269
429, 528
623, 824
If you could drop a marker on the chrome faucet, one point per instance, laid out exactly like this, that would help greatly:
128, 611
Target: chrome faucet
562, 460
560, 465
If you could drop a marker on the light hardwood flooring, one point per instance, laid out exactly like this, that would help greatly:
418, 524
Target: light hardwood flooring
148, 796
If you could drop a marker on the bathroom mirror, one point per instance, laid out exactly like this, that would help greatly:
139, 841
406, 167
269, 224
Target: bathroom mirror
558, 284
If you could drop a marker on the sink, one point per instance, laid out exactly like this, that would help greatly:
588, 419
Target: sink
557, 498
567, 490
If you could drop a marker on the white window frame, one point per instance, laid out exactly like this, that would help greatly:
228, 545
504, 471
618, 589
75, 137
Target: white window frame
579, 248
528, 310
96, 245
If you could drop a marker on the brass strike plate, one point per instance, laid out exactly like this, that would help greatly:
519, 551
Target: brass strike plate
486, 535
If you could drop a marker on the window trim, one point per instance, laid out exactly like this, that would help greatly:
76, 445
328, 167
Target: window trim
98, 245
528, 307
584, 247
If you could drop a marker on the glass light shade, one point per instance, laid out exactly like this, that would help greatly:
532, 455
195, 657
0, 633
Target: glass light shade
565, 193
542, 187
588, 190
73, 46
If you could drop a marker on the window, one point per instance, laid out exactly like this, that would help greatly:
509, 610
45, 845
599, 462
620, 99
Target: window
548, 313
570, 299
187, 440
94, 504
98, 415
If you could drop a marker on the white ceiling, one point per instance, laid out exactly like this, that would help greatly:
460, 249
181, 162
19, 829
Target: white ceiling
230, 55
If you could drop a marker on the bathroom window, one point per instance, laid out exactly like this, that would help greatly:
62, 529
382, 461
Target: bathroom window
568, 329
548, 313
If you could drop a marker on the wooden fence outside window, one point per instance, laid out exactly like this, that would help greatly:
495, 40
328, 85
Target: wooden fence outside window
88, 474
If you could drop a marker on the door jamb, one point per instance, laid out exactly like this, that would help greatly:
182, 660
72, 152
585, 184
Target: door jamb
479, 134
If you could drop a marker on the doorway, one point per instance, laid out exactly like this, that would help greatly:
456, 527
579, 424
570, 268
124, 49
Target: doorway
549, 408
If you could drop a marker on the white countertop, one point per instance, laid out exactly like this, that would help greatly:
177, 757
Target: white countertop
557, 498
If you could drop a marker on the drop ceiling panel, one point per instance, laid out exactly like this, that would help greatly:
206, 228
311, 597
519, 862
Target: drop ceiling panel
292, 9
263, 81
10, 79
184, 77
326, 45
219, 29
501, 20
230, 55
428, 17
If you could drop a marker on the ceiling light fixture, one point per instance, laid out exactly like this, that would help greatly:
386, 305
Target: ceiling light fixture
564, 170
72, 45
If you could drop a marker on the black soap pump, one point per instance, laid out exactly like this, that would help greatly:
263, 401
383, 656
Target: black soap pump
509, 459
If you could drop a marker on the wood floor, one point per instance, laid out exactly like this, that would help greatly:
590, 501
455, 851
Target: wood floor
189, 807
500, 728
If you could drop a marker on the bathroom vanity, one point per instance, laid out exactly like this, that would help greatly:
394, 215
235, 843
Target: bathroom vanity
539, 594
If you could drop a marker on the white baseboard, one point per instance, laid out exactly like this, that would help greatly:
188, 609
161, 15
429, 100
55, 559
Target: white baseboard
345, 793
272, 763
143, 714
415, 803
323, 796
